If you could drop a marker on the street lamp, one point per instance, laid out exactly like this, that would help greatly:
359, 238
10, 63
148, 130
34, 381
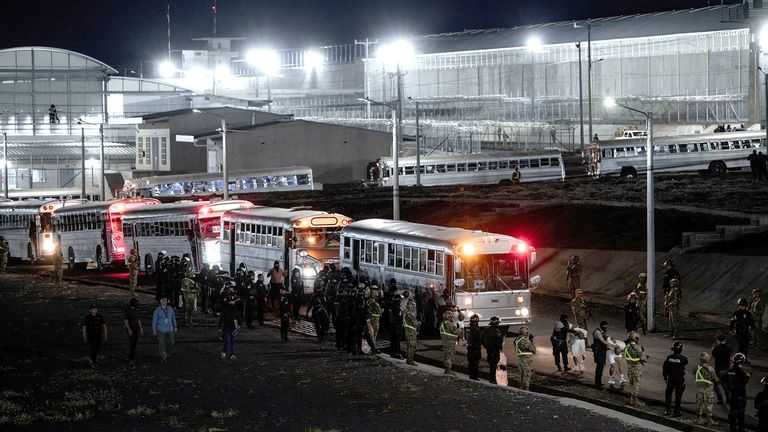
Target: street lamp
395, 155
418, 143
650, 226
224, 167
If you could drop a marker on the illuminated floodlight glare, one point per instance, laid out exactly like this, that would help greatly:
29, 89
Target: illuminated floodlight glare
268, 61
221, 71
167, 69
399, 52
91, 163
198, 78
609, 102
313, 60
534, 43
763, 38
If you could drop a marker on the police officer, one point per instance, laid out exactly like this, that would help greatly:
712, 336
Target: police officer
742, 325
340, 317
493, 341
395, 325
449, 333
190, 291
706, 378
633, 354
600, 346
525, 350
475, 347
411, 325
672, 308
757, 308
318, 310
94, 330
559, 342
736, 379
133, 271
261, 298
674, 375
202, 281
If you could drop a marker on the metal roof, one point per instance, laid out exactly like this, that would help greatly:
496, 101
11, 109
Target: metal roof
102, 205
88, 60
155, 180
473, 157
274, 215
71, 150
180, 208
618, 27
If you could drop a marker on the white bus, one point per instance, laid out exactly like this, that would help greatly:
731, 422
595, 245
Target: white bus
191, 227
207, 184
26, 225
488, 273
475, 168
298, 238
716, 153
93, 232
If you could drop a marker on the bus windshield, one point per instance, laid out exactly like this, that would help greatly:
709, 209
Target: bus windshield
317, 237
493, 272
45, 222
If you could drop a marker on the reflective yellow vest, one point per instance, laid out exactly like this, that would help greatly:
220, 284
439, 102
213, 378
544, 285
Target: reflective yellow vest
519, 351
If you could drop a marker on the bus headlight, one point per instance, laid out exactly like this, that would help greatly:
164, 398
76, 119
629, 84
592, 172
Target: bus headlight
48, 245
520, 299
517, 312
212, 255
524, 311
468, 301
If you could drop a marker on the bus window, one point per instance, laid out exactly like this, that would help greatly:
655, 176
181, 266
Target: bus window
390, 254
410, 170
482, 166
407, 258
672, 148
430, 169
513, 164
544, 162
493, 165
461, 167
472, 166
399, 256
724, 145
450, 168
422, 260
534, 163
523, 163
683, 148
503, 165
554, 162
440, 169
693, 147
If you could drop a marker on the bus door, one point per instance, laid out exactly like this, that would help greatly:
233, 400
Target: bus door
33, 236
356, 254
195, 243
232, 256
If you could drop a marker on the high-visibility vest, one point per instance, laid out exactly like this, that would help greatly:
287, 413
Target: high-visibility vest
446, 333
519, 351
628, 357
408, 326
700, 377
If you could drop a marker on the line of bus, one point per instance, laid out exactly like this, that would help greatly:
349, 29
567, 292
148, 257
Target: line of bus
494, 168
26, 225
298, 238
187, 227
93, 232
489, 274
715, 153
208, 184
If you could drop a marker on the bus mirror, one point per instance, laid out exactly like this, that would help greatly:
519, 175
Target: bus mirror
458, 283
533, 258
535, 281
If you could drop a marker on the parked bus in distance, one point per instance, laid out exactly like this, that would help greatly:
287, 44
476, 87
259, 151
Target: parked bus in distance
487, 273
455, 169
26, 226
298, 238
93, 232
715, 153
45, 194
187, 227
208, 184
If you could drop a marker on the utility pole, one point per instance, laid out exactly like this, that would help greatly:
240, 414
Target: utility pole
589, 77
418, 143
398, 141
5, 164
82, 160
214, 17
581, 103
102, 187
168, 19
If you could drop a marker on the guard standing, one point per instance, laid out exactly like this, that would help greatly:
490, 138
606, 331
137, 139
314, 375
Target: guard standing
641, 289
493, 341
559, 342
736, 380
669, 274
580, 310
600, 347
674, 374
94, 329
757, 308
411, 325
705, 390
573, 275
374, 308
133, 271
474, 347
261, 298
742, 325
340, 317
672, 308
449, 333
190, 291
58, 266
633, 354
395, 325
525, 349
631, 313
4, 251
205, 292
318, 308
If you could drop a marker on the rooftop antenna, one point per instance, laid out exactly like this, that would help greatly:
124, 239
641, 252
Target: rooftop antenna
213, 8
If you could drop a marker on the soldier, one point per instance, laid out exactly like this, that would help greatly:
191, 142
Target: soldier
525, 349
411, 324
736, 379
741, 326
58, 266
641, 289
580, 310
133, 271
705, 395
670, 273
374, 308
757, 308
573, 275
340, 317
395, 325
493, 341
261, 298
190, 291
4, 251
318, 310
202, 281
475, 347
449, 333
633, 354
672, 308
674, 375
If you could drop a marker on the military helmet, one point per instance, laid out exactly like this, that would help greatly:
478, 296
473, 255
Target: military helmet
674, 281
704, 357
739, 359
742, 302
448, 315
632, 295
633, 336
523, 330
495, 320
475, 318
677, 346
643, 275
190, 273
764, 380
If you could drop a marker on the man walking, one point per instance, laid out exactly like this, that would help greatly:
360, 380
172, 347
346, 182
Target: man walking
190, 292
228, 326
133, 271
164, 327
525, 350
133, 329
94, 330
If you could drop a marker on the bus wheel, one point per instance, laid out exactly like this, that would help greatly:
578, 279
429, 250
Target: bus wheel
71, 258
628, 172
149, 268
717, 168
99, 259
505, 182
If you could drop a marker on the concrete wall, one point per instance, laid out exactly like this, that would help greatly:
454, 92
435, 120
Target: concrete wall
336, 154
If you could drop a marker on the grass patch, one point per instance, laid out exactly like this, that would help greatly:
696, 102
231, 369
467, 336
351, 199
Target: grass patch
140, 411
173, 422
224, 414
9, 407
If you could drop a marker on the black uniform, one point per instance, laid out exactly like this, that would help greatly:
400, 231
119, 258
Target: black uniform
736, 380
340, 317
261, 300
349, 318
285, 317
761, 405
132, 316
202, 281
297, 295
474, 350
250, 301
318, 307
742, 324
94, 331
559, 344
631, 316
722, 354
493, 339
674, 374
599, 350
395, 325
361, 318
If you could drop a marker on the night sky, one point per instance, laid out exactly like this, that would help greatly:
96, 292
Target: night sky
122, 32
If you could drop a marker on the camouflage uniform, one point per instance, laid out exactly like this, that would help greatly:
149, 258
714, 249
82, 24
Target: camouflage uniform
580, 311
705, 391
4, 250
573, 275
757, 308
672, 307
450, 336
410, 323
641, 290
133, 271
633, 354
190, 291
374, 308
525, 349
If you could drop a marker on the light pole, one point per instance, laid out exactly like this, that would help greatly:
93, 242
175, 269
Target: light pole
5, 164
102, 183
269, 63
650, 225
82, 158
395, 155
581, 103
224, 167
418, 143
765, 76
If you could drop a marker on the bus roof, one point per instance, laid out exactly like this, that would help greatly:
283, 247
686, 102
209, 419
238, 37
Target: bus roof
146, 181
287, 218
446, 239
184, 208
472, 157
27, 206
682, 139
102, 205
